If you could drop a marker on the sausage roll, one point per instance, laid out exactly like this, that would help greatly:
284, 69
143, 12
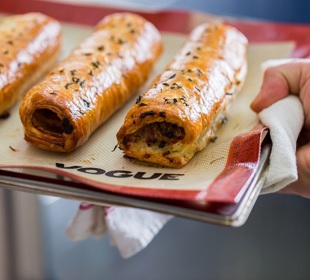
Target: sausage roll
30, 44
86, 88
179, 114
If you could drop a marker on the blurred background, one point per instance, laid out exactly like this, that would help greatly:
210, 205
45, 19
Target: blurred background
273, 244
273, 10
288, 11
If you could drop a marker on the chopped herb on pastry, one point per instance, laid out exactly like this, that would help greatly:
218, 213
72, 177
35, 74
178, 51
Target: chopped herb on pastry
96, 79
181, 111
30, 45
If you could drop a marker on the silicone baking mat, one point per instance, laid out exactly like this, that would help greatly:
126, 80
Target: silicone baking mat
100, 165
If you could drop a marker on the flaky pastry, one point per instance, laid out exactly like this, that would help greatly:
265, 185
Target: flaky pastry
181, 111
96, 79
30, 44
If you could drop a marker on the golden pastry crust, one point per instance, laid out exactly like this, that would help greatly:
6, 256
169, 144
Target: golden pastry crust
185, 104
30, 44
95, 80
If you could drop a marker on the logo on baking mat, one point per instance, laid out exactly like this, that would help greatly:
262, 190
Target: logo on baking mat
140, 175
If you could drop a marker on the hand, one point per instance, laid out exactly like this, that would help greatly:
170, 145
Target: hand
278, 82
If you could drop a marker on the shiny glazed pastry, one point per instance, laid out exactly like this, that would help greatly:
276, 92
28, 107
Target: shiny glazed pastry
30, 44
184, 106
96, 79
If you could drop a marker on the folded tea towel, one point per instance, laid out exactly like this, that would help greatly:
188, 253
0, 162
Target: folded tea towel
129, 229
285, 119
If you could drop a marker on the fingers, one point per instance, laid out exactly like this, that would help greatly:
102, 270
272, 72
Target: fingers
301, 186
280, 81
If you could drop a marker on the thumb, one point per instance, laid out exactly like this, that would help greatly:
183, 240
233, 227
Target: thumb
274, 87
280, 81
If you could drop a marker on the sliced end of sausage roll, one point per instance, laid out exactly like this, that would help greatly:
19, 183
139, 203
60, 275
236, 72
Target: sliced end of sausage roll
95, 80
180, 112
30, 45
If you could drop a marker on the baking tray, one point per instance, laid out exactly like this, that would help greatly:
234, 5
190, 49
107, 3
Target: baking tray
228, 214
28, 169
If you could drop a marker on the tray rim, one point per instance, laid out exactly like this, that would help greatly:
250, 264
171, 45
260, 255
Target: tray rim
76, 191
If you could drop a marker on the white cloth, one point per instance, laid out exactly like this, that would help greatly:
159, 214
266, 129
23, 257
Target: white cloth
132, 229
88, 221
129, 229
285, 119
